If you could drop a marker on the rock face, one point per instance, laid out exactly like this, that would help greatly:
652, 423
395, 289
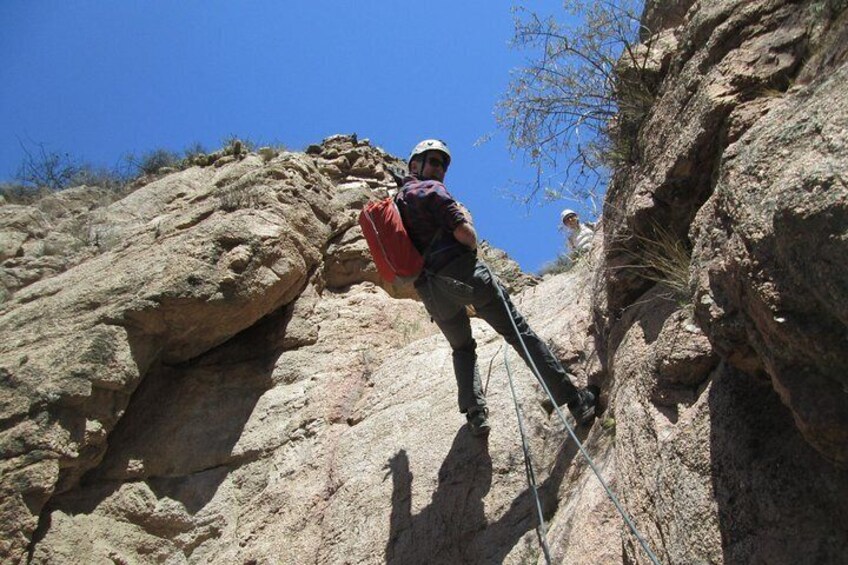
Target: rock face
206, 370
725, 366
209, 371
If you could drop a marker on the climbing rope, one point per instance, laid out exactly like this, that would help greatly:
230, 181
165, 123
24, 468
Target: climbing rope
610, 494
541, 529
489, 374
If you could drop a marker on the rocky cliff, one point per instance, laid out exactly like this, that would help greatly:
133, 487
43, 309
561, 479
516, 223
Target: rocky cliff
721, 300
208, 369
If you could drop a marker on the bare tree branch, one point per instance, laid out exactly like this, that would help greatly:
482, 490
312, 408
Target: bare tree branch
567, 101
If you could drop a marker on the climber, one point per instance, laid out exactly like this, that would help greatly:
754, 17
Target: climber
453, 277
580, 238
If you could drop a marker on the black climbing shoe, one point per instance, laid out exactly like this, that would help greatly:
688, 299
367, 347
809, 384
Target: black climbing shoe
583, 407
478, 420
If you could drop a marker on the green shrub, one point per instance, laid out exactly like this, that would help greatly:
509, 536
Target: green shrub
234, 144
562, 264
153, 161
16, 193
44, 169
194, 150
110, 179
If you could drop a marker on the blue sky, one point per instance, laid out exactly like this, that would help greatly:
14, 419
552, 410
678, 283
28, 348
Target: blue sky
100, 79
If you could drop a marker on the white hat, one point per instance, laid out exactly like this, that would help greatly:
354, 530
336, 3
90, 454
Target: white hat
566, 213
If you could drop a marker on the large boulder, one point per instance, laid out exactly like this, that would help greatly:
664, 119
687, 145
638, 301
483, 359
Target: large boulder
219, 375
159, 277
772, 287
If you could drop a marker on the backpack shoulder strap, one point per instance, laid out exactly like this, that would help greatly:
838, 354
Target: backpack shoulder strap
426, 252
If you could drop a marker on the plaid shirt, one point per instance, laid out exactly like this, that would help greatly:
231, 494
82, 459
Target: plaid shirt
426, 208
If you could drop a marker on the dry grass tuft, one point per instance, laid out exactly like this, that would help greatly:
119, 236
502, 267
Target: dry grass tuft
664, 258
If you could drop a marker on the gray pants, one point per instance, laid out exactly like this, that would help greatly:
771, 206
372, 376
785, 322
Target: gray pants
468, 281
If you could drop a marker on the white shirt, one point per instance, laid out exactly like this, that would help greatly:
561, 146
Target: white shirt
581, 238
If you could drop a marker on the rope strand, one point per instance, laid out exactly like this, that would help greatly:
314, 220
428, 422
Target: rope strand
541, 529
610, 494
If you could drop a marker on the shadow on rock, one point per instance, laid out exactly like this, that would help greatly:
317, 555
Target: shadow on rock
454, 528
178, 435
779, 500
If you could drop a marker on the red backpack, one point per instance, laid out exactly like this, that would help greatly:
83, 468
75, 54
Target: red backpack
396, 257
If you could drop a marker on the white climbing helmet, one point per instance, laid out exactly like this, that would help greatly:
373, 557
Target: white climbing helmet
430, 145
566, 213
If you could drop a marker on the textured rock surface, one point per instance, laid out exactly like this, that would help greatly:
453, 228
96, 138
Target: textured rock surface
727, 381
210, 373
156, 279
771, 243
207, 370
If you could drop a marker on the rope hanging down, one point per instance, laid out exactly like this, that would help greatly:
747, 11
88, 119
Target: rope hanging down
610, 494
541, 529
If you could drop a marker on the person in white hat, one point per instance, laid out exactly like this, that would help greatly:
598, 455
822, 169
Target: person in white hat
580, 238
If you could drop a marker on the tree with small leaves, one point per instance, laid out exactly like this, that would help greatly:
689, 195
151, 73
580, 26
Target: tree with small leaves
566, 111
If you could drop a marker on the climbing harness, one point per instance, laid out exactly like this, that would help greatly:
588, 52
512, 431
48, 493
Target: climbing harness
528, 466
